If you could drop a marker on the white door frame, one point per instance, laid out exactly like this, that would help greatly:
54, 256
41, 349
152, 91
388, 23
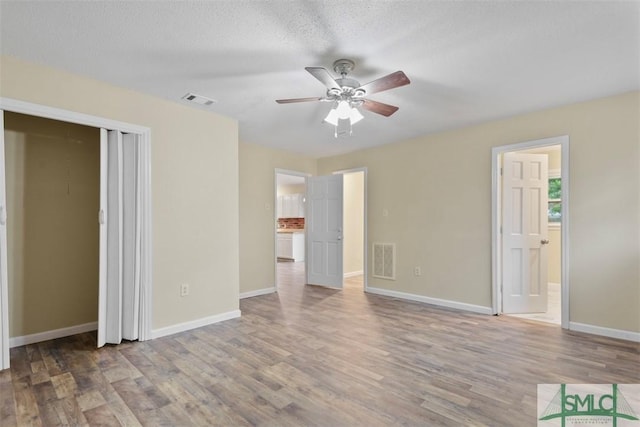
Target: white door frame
17, 106
275, 220
496, 248
365, 253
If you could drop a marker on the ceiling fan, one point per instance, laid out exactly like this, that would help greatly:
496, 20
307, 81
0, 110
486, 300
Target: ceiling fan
348, 94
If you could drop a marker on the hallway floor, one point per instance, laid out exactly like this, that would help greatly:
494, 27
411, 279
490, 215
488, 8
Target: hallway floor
291, 274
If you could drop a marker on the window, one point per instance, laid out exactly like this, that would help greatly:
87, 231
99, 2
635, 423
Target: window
555, 203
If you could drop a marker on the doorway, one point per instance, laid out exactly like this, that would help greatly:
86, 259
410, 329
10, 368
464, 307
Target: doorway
137, 171
354, 229
290, 203
53, 193
551, 311
354, 259
530, 229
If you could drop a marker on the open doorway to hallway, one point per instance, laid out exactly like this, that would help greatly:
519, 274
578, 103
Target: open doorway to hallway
353, 253
290, 229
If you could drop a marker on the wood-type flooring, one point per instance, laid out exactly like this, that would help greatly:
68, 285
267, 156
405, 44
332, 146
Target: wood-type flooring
311, 356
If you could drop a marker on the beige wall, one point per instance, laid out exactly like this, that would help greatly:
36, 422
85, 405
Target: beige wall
555, 159
353, 222
53, 193
257, 216
437, 190
194, 164
291, 189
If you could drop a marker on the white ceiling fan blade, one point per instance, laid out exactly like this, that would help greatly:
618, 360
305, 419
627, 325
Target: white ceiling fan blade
292, 100
324, 76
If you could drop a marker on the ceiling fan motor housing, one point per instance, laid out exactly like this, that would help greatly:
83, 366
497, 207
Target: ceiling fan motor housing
347, 85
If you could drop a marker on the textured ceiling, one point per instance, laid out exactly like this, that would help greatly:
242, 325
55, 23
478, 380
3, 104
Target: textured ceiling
468, 61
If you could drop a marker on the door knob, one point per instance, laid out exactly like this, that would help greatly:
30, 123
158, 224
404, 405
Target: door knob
544, 242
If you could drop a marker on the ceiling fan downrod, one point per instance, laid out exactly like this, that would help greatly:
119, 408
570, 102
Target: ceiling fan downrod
343, 67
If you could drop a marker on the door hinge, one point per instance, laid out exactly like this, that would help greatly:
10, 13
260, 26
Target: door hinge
500, 171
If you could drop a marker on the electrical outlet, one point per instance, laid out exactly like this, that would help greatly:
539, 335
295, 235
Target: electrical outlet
184, 289
417, 271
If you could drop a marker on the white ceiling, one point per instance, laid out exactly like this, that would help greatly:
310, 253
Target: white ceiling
468, 61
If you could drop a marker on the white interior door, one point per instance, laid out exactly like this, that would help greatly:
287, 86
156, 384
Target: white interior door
324, 230
4, 284
525, 185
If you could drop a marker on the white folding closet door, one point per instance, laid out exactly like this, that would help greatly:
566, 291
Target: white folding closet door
102, 219
122, 238
130, 237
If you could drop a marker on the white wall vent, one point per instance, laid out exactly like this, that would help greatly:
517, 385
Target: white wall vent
199, 99
384, 260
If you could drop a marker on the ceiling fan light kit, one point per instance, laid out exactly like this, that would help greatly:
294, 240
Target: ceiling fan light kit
347, 94
332, 118
343, 112
343, 109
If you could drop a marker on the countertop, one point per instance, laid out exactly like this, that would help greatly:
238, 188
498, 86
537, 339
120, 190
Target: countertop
290, 230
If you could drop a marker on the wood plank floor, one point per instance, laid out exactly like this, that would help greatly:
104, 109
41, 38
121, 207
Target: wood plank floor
313, 356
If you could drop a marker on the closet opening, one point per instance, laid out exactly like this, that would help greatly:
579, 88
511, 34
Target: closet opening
56, 160
52, 173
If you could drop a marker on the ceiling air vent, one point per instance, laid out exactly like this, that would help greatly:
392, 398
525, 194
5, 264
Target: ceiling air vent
198, 99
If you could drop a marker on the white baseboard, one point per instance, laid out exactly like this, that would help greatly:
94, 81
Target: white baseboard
353, 274
606, 332
434, 301
51, 335
193, 324
258, 292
